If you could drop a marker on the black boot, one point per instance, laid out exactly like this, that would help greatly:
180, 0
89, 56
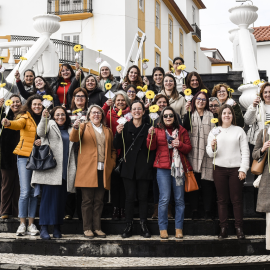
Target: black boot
223, 233
240, 233
144, 230
122, 214
116, 213
128, 230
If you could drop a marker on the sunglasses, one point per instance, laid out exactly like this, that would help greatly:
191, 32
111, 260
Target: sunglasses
215, 106
168, 115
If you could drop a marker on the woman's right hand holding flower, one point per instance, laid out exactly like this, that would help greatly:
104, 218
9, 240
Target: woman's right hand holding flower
45, 113
188, 106
256, 102
119, 128
124, 85
76, 124
214, 144
5, 122
17, 75
151, 130
265, 146
2, 100
109, 102
78, 73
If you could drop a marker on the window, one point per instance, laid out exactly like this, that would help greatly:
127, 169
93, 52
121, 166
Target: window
141, 5
157, 59
72, 38
170, 30
181, 43
193, 15
157, 15
215, 55
68, 5
195, 62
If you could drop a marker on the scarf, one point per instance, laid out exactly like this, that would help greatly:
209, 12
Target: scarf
177, 170
41, 93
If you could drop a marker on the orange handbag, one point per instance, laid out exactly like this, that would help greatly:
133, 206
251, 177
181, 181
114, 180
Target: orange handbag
190, 180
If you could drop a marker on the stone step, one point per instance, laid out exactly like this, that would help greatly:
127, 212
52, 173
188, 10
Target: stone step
135, 246
33, 262
252, 226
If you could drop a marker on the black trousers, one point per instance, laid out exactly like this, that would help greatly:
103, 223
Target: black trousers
141, 187
118, 195
207, 190
73, 203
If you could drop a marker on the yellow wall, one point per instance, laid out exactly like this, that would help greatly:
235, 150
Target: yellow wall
159, 52
170, 43
181, 54
143, 53
141, 17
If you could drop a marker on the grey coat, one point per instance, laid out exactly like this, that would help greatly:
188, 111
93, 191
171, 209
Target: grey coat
115, 85
263, 202
54, 176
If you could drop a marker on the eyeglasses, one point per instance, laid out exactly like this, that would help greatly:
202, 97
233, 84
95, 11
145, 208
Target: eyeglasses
77, 96
214, 105
131, 92
178, 63
97, 113
58, 115
168, 115
221, 92
201, 99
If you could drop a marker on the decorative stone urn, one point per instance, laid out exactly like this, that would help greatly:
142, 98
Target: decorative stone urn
243, 16
46, 24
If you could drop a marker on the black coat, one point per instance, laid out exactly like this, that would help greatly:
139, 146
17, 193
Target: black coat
8, 140
97, 96
136, 158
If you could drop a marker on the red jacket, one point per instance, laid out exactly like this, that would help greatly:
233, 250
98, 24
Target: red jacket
160, 144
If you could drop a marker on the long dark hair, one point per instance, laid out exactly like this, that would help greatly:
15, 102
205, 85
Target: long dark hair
60, 78
193, 103
161, 123
77, 90
178, 58
47, 88
27, 106
68, 121
175, 93
188, 81
17, 96
139, 81
222, 108
28, 70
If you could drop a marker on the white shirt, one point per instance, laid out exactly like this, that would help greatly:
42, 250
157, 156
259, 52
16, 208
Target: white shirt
232, 148
267, 112
99, 129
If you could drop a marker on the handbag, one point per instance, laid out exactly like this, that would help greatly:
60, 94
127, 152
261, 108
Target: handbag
190, 180
41, 158
119, 165
258, 165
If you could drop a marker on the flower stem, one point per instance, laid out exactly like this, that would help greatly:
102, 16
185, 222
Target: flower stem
215, 154
111, 117
150, 144
80, 139
124, 146
46, 126
190, 121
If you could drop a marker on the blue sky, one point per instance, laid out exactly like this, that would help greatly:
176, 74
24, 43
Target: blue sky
215, 23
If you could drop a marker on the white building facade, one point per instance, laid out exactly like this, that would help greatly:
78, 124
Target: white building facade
172, 28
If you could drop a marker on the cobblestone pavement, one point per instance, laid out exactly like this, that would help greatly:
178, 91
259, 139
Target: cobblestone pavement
136, 237
101, 262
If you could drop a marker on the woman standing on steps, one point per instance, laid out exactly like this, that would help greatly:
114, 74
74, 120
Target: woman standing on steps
56, 182
231, 160
172, 144
27, 121
95, 164
137, 170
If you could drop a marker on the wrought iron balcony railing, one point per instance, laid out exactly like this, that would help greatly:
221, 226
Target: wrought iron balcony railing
65, 48
197, 31
62, 7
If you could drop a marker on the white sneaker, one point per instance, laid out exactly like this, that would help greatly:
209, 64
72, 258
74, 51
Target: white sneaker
21, 230
32, 230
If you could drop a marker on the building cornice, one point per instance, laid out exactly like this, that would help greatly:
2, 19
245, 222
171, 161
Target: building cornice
199, 4
75, 16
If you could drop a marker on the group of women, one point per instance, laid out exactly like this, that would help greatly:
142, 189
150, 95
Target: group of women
102, 143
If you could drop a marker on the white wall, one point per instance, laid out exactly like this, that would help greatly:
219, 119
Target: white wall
220, 69
263, 56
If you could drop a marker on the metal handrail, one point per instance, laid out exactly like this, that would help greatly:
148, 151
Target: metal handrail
197, 30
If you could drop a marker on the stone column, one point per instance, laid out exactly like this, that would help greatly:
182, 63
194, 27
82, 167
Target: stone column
243, 16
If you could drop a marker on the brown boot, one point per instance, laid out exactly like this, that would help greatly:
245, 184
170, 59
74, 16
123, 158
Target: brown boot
164, 234
155, 214
170, 215
178, 233
89, 234
99, 233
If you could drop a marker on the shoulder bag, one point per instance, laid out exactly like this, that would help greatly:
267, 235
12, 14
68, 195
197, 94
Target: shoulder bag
258, 165
41, 158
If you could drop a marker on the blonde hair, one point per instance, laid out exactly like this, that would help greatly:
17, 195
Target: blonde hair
217, 88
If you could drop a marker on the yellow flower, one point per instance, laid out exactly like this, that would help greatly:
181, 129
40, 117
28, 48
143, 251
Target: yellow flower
153, 108
77, 48
108, 86
230, 90
63, 83
81, 49
119, 68
76, 111
214, 120
8, 102
48, 97
140, 88
145, 88
187, 92
145, 60
204, 90
2, 57
23, 58
182, 67
119, 113
3, 85
150, 94
172, 69
267, 123
256, 82
99, 50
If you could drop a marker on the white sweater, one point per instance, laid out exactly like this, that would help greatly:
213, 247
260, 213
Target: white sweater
232, 148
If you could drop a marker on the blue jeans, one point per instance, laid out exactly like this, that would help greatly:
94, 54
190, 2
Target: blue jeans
27, 201
165, 181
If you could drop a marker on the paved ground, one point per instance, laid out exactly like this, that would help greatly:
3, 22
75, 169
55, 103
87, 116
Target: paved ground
136, 237
101, 262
